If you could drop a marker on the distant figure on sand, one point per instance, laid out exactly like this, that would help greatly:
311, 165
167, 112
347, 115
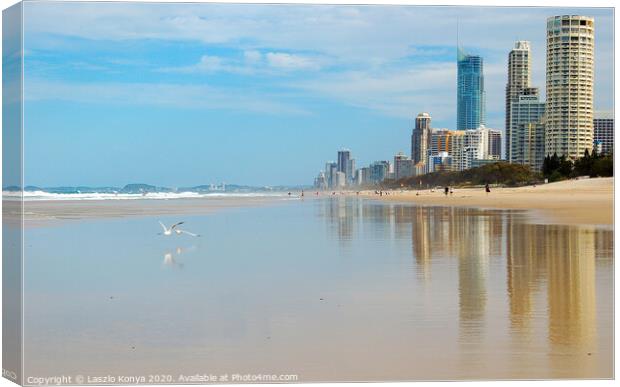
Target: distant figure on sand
446, 190
487, 189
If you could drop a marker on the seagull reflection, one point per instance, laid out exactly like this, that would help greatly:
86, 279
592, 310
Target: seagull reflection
169, 257
170, 261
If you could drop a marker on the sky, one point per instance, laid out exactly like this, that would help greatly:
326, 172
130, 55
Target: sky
186, 94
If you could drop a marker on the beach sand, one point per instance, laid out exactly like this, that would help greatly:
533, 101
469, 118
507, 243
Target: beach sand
40, 212
585, 201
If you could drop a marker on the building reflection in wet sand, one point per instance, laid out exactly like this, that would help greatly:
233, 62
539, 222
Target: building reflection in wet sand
549, 293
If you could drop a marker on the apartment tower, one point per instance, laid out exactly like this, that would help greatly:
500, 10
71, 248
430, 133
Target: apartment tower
470, 104
420, 138
519, 78
570, 91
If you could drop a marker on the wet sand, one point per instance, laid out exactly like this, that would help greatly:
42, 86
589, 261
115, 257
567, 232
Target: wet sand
587, 201
43, 211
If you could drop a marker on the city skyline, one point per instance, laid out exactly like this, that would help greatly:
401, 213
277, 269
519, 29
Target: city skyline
250, 107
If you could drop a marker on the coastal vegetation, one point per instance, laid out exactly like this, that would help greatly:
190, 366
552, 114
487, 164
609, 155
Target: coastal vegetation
499, 173
555, 168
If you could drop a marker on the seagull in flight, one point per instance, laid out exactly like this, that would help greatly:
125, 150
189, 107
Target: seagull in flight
168, 231
179, 232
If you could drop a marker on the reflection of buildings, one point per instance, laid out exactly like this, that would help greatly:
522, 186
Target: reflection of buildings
571, 285
550, 276
526, 269
562, 258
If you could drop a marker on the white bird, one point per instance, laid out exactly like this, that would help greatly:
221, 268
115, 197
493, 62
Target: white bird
179, 232
168, 231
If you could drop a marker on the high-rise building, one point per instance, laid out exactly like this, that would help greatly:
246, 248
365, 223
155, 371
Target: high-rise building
340, 180
527, 135
464, 146
320, 182
519, 78
604, 132
344, 156
470, 104
330, 173
351, 171
570, 90
420, 138
403, 166
379, 171
495, 144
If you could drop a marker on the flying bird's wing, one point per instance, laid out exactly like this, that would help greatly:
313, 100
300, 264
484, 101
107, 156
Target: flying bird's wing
189, 233
162, 226
176, 224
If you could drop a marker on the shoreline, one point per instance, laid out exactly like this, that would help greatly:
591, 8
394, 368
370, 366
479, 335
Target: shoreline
583, 202
572, 202
42, 212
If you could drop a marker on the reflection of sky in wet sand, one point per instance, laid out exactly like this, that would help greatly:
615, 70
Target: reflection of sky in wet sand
334, 289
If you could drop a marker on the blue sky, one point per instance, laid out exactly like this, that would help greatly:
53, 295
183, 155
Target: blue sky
188, 94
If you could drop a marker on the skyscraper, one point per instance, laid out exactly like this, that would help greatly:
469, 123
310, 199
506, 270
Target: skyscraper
495, 144
344, 164
470, 104
527, 137
519, 78
570, 90
403, 166
420, 138
604, 132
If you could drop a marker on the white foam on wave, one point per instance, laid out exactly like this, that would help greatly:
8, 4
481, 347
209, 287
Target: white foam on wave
42, 195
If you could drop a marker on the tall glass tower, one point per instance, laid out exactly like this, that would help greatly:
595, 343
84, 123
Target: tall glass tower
470, 104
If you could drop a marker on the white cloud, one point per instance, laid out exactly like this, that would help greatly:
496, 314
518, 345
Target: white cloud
286, 61
365, 38
206, 64
401, 92
159, 94
252, 56
252, 63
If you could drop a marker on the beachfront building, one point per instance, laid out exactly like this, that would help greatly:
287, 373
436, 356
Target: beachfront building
495, 143
439, 162
362, 176
403, 166
320, 182
527, 134
470, 104
464, 146
344, 159
519, 78
420, 138
330, 173
379, 171
604, 132
570, 86
340, 180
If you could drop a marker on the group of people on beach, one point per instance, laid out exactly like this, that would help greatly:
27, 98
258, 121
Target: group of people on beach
447, 191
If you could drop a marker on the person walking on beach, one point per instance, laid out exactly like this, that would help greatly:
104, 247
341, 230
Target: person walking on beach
487, 189
446, 190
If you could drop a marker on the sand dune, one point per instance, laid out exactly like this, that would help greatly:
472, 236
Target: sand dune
585, 201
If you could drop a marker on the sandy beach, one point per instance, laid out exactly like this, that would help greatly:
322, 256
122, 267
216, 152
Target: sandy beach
40, 212
586, 201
